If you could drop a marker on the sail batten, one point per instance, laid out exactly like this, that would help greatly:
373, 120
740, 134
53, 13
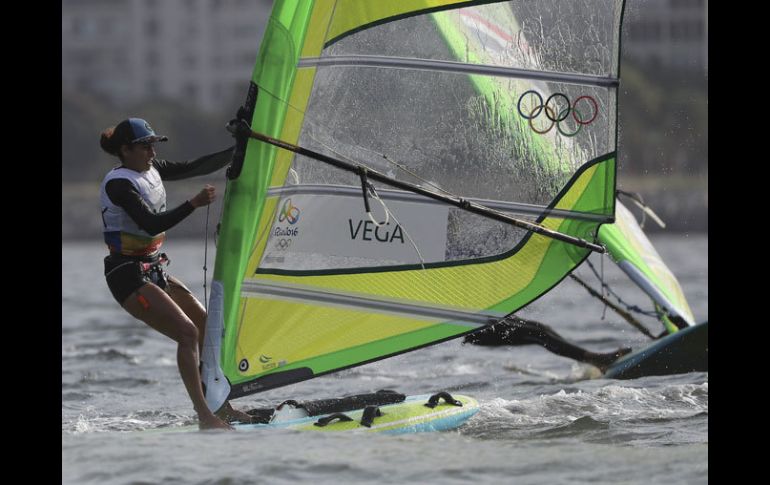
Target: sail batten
351, 300
458, 67
537, 211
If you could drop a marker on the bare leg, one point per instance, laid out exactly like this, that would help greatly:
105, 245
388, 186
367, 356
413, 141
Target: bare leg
197, 314
189, 305
154, 307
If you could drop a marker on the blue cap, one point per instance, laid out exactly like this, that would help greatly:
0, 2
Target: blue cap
136, 130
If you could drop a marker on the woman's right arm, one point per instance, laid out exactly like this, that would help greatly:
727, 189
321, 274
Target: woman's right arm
123, 193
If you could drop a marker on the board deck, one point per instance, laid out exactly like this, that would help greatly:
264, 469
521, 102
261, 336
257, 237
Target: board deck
409, 416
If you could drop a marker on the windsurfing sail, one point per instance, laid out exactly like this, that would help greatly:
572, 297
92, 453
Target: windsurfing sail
633, 252
509, 106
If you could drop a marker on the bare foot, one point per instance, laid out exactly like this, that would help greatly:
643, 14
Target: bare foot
212, 422
230, 414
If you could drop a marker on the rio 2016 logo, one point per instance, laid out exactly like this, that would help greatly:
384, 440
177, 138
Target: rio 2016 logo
289, 213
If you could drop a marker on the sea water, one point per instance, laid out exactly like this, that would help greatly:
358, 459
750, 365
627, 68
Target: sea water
543, 418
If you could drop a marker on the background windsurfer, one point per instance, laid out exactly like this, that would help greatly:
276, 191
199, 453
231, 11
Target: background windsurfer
513, 330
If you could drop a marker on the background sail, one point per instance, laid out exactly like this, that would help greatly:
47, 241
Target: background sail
635, 255
308, 284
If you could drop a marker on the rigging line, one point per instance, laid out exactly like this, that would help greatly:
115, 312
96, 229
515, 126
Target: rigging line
388, 213
381, 155
632, 308
221, 213
205, 260
627, 316
637, 199
373, 192
240, 128
604, 311
294, 175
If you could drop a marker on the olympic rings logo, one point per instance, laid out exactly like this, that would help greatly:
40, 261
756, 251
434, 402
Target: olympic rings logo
563, 113
289, 213
283, 244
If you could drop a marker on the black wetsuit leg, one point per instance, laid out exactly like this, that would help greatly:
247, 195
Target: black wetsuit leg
517, 331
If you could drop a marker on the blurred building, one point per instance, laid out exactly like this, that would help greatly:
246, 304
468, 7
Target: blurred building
202, 51
669, 34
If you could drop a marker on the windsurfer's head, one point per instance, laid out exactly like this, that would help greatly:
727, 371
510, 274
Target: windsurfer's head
128, 136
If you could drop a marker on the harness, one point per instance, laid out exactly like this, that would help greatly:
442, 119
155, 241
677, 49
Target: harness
153, 270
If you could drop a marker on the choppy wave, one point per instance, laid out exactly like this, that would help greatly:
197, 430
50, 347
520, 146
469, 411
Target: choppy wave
607, 413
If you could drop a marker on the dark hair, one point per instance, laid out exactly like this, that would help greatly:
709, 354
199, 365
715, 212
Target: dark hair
109, 143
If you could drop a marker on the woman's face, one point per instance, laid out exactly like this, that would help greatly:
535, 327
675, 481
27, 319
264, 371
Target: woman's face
139, 156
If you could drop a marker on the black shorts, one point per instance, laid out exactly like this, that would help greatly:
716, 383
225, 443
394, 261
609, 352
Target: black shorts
125, 275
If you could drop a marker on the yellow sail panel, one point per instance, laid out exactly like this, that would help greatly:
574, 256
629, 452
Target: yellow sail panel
277, 335
317, 28
263, 229
295, 116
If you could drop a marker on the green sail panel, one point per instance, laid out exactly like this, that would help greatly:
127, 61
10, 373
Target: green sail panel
630, 248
